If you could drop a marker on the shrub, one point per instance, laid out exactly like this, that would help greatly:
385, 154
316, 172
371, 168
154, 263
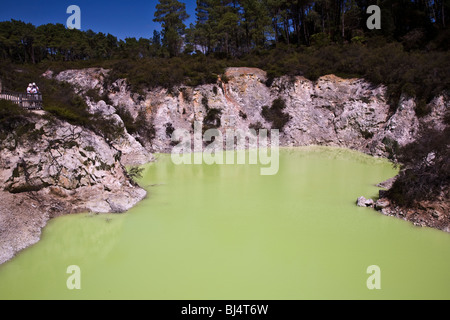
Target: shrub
358, 39
169, 129
422, 108
212, 118
256, 126
105, 127
205, 102
187, 95
242, 114
144, 127
127, 119
135, 173
224, 78
12, 118
425, 173
391, 147
96, 97
320, 39
275, 114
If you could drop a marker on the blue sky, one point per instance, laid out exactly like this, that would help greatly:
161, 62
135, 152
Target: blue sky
121, 18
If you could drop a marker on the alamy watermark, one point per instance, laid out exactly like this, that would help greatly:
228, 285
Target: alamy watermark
74, 21
74, 280
374, 280
374, 21
188, 148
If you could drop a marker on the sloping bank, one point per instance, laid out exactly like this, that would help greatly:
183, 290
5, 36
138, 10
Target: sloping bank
57, 168
74, 170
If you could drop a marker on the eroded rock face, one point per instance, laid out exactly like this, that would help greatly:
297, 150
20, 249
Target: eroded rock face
331, 111
62, 169
69, 163
21, 219
133, 153
83, 79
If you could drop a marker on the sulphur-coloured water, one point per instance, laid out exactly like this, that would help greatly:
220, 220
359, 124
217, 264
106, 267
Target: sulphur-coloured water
227, 232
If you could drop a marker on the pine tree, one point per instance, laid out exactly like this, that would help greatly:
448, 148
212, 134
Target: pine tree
255, 22
203, 29
171, 14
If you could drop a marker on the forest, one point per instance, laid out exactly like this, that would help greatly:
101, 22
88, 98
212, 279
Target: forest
234, 28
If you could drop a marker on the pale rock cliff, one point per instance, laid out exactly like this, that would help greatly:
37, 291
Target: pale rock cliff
67, 169
133, 153
331, 111
71, 163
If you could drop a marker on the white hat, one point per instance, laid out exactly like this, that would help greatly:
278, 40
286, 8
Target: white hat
34, 84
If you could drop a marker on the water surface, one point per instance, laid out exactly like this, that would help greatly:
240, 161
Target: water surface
226, 232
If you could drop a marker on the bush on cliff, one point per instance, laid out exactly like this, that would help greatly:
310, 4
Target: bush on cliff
425, 173
275, 114
13, 119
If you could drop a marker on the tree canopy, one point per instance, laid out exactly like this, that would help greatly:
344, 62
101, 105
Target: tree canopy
171, 14
235, 28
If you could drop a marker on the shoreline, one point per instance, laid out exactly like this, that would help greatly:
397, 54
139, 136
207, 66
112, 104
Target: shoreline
431, 214
22, 219
24, 215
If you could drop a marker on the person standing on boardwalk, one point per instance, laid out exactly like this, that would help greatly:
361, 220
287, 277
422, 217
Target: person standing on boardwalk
35, 88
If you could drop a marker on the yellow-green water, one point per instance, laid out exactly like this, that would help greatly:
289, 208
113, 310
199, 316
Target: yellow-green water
226, 232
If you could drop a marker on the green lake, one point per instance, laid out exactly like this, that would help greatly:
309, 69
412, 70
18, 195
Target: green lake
227, 232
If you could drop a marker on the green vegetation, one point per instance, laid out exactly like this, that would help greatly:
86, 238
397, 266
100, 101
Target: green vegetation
17, 123
59, 98
275, 114
171, 14
13, 120
256, 126
212, 117
426, 169
135, 173
153, 72
138, 127
96, 97
169, 129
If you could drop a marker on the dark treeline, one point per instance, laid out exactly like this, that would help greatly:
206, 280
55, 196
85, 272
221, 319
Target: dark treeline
238, 26
234, 28
24, 43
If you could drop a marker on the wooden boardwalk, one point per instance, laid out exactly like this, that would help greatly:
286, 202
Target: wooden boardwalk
25, 100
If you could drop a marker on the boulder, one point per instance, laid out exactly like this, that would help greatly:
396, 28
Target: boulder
381, 204
363, 202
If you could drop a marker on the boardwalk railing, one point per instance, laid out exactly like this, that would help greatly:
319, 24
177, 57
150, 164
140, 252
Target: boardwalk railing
25, 100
